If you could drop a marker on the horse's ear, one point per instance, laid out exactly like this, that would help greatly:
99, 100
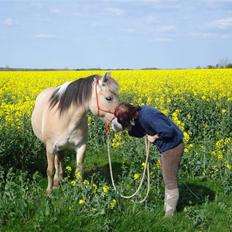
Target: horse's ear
106, 76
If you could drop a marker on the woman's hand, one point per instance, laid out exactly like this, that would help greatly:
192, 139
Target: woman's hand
152, 138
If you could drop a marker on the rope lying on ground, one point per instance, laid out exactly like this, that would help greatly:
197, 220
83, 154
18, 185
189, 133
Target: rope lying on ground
146, 168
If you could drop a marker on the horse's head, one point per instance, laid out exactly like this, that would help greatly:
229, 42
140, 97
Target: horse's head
104, 98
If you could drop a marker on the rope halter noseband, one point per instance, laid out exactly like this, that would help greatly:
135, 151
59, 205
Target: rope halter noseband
107, 125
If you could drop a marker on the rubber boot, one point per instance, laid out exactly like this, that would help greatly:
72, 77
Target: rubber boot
170, 202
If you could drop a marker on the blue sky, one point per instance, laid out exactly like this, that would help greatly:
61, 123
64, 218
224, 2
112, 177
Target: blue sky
114, 33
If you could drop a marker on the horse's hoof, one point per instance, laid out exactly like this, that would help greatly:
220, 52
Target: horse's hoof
48, 191
169, 214
55, 187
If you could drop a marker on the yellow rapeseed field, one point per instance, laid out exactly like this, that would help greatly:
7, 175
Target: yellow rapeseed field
171, 91
159, 87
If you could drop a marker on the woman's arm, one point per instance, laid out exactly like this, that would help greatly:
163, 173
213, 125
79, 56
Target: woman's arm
135, 133
160, 124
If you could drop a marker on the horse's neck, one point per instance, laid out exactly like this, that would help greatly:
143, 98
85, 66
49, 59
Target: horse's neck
75, 123
92, 104
77, 113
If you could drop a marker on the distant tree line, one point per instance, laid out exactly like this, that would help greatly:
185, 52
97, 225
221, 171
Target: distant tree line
216, 66
224, 63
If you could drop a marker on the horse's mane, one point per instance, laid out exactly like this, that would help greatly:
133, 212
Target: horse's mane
78, 92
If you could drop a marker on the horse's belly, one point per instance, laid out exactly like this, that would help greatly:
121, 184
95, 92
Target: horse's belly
71, 141
68, 145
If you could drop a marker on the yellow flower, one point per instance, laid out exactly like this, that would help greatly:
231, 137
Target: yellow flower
143, 165
186, 137
165, 112
105, 189
86, 182
68, 169
157, 163
81, 202
228, 166
113, 203
220, 156
190, 145
94, 187
78, 176
73, 183
224, 111
136, 176
118, 140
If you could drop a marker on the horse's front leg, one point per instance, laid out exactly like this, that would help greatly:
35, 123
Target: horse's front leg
50, 167
58, 177
80, 156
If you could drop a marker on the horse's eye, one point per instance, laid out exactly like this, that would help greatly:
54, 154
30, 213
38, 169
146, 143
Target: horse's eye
109, 98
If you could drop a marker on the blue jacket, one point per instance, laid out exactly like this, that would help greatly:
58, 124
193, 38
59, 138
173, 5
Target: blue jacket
151, 121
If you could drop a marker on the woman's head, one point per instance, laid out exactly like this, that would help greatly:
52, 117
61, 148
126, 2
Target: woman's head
125, 114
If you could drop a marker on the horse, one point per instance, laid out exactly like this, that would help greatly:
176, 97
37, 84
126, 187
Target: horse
59, 119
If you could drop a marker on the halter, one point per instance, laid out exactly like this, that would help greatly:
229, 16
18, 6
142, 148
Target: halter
107, 126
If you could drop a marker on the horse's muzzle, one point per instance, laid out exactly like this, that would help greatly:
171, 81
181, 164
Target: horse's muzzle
116, 126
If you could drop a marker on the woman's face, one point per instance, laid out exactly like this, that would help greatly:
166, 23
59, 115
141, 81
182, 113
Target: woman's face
125, 114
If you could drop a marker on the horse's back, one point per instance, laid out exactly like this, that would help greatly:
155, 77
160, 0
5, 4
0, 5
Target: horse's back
38, 114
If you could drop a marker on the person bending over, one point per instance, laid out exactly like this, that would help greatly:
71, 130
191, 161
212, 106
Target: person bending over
143, 121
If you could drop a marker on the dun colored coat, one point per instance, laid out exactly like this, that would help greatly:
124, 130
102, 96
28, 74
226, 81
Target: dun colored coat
59, 119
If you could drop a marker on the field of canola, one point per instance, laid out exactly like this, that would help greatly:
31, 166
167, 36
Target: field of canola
198, 101
187, 96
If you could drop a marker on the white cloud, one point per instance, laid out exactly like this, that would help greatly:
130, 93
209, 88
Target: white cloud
224, 23
151, 26
161, 39
9, 22
129, 30
164, 4
116, 11
209, 35
166, 28
55, 11
151, 19
202, 34
156, 25
45, 36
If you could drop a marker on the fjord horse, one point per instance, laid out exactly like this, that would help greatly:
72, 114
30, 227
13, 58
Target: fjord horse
59, 119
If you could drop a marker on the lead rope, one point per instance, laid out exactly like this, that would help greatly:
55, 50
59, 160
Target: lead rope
146, 168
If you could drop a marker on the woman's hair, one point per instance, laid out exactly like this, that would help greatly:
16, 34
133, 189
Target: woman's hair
125, 113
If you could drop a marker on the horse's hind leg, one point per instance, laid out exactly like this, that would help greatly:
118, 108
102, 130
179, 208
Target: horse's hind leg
80, 156
58, 177
50, 169
61, 166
